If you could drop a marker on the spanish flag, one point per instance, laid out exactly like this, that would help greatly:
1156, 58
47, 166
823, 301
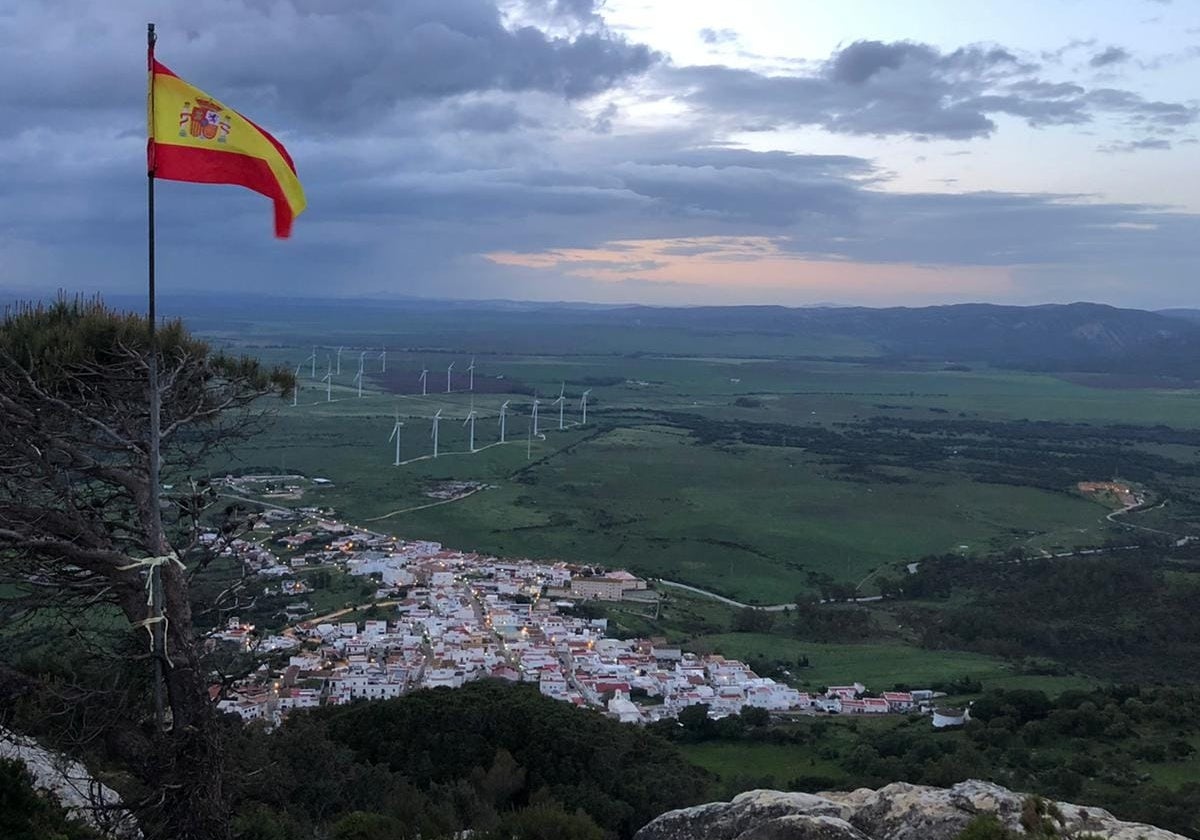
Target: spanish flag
193, 137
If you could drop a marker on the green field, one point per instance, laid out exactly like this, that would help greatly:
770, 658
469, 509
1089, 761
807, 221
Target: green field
746, 521
879, 666
768, 765
651, 500
637, 488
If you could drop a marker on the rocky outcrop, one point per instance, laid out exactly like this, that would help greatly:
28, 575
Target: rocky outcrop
899, 811
73, 786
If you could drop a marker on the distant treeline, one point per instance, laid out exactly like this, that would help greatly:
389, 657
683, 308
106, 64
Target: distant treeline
1047, 455
493, 758
1125, 617
1090, 747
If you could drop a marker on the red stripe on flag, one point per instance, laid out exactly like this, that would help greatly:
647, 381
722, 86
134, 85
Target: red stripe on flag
283, 153
208, 166
159, 67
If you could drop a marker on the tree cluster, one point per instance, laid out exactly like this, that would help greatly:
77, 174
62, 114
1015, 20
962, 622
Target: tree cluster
1130, 616
81, 532
488, 757
1090, 747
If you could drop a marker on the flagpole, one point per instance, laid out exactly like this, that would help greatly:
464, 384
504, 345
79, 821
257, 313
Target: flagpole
157, 541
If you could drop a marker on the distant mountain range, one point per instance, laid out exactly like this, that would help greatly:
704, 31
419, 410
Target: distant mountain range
1081, 337
1076, 336
1185, 314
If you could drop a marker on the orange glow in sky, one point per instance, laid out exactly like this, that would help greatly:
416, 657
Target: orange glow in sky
761, 263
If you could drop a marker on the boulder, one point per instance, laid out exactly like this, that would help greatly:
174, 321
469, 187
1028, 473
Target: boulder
73, 786
899, 811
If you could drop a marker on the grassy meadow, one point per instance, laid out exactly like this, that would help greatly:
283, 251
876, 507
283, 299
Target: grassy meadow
881, 665
632, 490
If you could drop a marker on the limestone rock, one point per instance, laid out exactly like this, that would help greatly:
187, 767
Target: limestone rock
73, 786
899, 811
748, 812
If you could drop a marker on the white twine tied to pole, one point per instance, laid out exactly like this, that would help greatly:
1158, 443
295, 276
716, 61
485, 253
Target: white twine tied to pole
151, 564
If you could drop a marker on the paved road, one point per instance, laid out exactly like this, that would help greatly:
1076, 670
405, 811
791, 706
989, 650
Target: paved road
733, 603
425, 506
1112, 517
253, 501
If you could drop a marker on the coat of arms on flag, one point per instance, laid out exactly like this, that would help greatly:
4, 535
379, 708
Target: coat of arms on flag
203, 120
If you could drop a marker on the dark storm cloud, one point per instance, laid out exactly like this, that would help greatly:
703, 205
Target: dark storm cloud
1150, 143
429, 133
1155, 114
903, 87
863, 60
580, 11
328, 61
1056, 56
1112, 55
753, 195
718, 36
837, 166
486, 117
998, 229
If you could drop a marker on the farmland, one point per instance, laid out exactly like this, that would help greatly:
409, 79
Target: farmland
754, 514
880, 665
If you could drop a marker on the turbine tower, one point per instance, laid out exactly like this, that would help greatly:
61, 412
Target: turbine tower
314, 363
561, 403
339, 360
437, 418
503, 416
383, 360
529, 443
471, 420
328, 379
471, 370
448, 377
424, 379
583, 405
296, 387
396, 434
358, 377
534, 429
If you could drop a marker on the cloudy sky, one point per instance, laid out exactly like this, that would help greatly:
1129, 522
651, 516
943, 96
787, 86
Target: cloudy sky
658, 151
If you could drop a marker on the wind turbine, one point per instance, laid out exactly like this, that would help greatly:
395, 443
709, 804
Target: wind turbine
471, 419
358, 377
533, 430
314, 362
437, 418
383, 360
424, 379
583, 405
503, 415
396, 434
561, 403
328, 380
471, 370
448, 377
296, 389
339, 360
